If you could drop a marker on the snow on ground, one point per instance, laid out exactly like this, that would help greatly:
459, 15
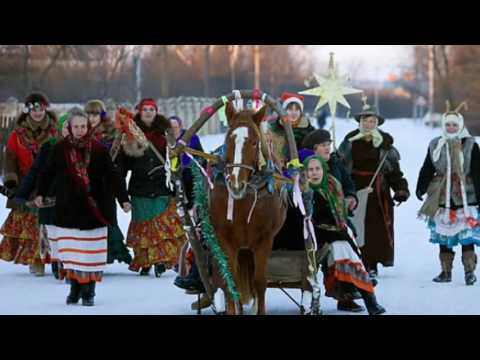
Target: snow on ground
404, 289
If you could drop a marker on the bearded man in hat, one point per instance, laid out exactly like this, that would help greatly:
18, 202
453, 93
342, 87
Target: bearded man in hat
34, 127
450, 176
363, 151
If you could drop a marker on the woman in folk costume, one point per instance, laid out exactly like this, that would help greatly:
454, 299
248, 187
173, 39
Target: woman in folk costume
155, 232
450, 176
290, 236
293, 105
27, 192
346, 276
190, 281
178, 131
85, 180
363, 152
103, 130
319, 143
34, 127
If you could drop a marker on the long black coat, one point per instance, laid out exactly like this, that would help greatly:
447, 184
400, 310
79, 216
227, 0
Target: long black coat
71, 210
362, 159
145, 181
290, 235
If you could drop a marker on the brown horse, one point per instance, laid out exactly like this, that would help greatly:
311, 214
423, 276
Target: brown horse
247, 244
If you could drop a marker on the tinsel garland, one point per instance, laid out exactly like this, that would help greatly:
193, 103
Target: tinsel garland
201, 204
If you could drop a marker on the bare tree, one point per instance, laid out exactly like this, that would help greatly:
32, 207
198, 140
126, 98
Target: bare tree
233, 51
442, 69
206, 70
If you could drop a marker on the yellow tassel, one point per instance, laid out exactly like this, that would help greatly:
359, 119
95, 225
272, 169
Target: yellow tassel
174, 163
295, 163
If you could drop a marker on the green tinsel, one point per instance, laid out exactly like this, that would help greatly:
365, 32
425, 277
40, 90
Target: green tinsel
201, 203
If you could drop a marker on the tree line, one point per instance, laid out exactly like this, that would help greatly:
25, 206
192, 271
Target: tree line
76, 73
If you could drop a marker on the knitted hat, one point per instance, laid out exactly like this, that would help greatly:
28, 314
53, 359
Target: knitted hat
290, 98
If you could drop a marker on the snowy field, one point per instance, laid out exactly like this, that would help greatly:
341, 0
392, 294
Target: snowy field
406, 288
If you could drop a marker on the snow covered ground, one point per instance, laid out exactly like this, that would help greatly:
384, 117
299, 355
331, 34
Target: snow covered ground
404, 289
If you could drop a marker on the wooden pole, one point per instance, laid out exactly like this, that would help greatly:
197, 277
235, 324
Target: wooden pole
256, 61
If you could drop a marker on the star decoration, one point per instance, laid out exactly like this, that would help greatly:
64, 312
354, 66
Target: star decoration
332, 89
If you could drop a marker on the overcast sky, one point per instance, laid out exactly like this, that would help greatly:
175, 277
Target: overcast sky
365, 61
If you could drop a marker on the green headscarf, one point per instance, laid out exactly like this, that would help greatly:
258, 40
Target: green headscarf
331, 190
60, 122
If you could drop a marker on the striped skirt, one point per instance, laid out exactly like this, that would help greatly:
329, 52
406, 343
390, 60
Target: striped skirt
345, 273
83, 253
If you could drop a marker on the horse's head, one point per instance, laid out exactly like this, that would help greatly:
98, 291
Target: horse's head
243, 146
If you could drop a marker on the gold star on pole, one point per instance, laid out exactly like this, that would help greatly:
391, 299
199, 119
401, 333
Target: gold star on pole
332, 89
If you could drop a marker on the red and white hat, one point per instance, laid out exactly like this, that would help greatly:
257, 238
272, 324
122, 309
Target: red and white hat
290, 98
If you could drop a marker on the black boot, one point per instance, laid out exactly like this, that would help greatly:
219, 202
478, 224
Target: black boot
159, 269
145, 271
74, 295
349, 306
55, 270
88, 294
372, 271
373, 307
192, 282
444, 277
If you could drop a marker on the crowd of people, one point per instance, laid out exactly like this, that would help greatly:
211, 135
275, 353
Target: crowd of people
63, 182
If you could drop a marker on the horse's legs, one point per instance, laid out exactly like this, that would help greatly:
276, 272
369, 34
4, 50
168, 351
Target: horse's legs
260, 281
232, 258
229, 304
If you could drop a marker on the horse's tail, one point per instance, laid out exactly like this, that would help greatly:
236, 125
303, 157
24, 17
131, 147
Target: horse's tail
246, 274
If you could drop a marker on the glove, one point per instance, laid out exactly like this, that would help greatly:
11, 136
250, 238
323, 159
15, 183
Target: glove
401, 196
419, 195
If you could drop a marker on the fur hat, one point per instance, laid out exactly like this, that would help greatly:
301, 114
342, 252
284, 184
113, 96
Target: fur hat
36, 99
316, 137
96, 106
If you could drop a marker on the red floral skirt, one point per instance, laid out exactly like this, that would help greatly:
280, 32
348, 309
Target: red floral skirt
158, 240
21, 241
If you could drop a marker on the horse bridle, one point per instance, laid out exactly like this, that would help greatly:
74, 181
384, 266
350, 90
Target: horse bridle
242, 166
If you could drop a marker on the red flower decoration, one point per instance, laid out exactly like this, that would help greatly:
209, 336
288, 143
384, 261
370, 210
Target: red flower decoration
208, 110
472, 222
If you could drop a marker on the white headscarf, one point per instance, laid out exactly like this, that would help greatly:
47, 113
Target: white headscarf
377, 138
462, 133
